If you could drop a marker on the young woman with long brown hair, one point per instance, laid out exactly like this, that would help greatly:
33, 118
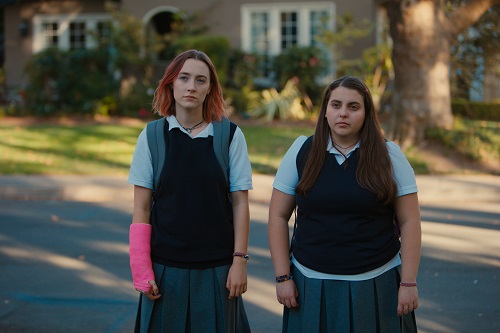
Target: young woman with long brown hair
347, 270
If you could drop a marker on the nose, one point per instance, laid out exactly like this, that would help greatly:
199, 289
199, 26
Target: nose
191, 85
343, 112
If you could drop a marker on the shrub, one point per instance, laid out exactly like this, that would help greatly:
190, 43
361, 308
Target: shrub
476, 110
305, 63
63, 82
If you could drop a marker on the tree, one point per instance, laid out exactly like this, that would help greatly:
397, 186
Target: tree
423, 32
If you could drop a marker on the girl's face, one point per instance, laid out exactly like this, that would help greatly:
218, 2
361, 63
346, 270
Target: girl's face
345, 114
191, 86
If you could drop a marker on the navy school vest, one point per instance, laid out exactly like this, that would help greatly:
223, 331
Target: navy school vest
341, 227
192, 216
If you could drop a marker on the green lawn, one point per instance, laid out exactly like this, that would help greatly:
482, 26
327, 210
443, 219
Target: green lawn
107, 149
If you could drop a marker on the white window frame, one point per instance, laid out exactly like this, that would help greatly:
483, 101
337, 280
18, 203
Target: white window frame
274, 10
63, 31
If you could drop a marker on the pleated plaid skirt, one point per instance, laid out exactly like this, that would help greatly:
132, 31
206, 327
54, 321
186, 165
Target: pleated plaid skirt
336, 306
192, 301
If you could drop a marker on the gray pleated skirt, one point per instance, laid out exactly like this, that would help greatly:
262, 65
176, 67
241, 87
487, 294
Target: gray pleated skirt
348, 307
192, 300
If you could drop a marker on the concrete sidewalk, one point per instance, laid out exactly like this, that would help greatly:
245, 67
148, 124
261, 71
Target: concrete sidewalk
449, 188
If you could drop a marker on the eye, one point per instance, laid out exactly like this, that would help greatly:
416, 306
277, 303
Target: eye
183, 77
335, 105
354, 107
201, 80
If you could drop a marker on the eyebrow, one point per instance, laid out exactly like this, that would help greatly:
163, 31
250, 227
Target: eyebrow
348, 103
186, 73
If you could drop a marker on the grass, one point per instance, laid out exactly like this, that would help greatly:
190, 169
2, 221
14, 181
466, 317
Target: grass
106, 149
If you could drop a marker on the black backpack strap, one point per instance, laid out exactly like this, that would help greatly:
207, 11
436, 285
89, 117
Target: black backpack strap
156, 142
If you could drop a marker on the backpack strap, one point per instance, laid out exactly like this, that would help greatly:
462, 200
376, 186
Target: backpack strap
222, 134
156, 143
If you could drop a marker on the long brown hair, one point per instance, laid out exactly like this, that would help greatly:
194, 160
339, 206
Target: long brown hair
374, 170
214, 107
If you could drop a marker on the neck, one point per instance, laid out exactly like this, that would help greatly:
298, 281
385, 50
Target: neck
344, 142
188, 119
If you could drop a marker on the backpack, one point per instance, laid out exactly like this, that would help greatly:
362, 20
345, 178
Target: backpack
223, 134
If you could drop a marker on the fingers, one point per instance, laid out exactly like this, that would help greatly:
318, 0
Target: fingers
236, 290
154, 293
289, 302
406, 308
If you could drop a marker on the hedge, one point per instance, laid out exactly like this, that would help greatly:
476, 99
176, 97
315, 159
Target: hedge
476, 110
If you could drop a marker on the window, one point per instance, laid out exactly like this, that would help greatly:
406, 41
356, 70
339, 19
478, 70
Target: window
268, 29
289, 34
77, 35
69, 32
50, 34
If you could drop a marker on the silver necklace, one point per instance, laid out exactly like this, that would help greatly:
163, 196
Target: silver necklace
189, 129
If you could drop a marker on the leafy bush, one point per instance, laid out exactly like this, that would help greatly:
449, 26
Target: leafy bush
478, 140
216, 47
476, 110
305, 63
62, 82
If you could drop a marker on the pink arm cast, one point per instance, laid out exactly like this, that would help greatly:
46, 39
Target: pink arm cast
140, 256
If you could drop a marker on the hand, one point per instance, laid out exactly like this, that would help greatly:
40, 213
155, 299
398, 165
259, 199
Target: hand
287, 293
153, 293
237, 278
407, 300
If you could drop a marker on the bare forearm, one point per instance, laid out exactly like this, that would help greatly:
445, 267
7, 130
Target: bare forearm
142, 205
410, 250
241, 220
280, 210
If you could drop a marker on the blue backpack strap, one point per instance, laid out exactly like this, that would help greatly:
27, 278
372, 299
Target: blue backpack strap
156, 143
222, 133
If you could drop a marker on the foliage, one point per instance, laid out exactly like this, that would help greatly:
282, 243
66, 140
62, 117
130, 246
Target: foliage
283, 105
216, 47
478, 140
67, 81
347, 30
305, 63
479, 43
476, 110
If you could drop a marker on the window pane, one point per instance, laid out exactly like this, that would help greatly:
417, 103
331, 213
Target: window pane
103, 31
289, 34
77, 35
50, 34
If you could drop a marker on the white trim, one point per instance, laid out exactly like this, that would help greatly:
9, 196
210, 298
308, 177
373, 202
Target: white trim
63, 21
273, 10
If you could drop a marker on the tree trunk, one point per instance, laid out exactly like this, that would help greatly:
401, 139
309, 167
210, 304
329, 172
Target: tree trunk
422, 36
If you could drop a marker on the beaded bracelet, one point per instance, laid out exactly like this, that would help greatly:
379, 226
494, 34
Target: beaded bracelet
283, 278
408, 284
241, 254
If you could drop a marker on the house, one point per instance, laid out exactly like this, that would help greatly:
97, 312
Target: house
263, 26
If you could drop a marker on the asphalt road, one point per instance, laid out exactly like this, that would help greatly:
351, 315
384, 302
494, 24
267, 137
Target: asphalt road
64, 260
